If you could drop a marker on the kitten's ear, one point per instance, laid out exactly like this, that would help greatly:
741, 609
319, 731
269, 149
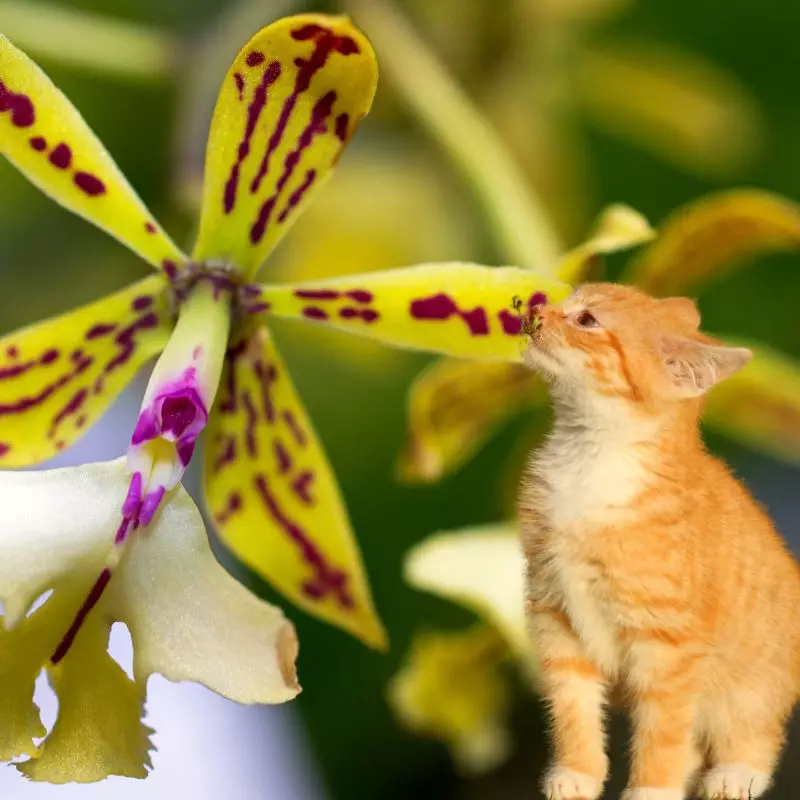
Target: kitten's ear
694, 367
683, 310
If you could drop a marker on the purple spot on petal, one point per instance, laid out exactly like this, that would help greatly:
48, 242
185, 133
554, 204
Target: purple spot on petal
20, 106
61, 156
101, 329
342, 121
443, 307
89, 184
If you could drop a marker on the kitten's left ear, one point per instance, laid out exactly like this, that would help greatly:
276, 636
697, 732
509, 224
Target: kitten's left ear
683, 309
693, 367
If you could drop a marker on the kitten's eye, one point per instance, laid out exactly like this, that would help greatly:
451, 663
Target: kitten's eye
586, 320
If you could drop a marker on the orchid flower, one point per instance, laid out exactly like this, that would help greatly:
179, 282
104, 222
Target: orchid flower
287, 107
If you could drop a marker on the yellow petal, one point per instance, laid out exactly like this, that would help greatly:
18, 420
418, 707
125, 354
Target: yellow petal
710, 236
288, 106
58, 377
274, 497
46, 138
481, 568
674, 103
457, 309
454, 406
382, 211
452, 688
98, 731
760, 405
619, 227
190, 620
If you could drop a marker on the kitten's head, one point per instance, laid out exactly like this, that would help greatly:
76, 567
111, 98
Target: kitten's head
611, 341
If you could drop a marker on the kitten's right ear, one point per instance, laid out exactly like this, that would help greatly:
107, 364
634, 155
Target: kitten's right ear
693, 367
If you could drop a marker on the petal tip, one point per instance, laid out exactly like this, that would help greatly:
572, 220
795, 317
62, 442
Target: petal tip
418, 463
288, 648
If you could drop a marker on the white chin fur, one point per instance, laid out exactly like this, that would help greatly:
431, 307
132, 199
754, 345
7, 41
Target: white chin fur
537, 359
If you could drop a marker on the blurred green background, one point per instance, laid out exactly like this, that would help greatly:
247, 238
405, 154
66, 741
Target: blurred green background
397, 199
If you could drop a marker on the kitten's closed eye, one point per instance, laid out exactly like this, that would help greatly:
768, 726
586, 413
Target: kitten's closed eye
586, 320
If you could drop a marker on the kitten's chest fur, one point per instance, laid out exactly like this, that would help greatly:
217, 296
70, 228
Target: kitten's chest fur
583, 483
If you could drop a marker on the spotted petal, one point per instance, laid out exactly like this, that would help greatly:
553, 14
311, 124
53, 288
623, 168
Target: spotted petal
454, 406
457, 309
481, 568
46, 138
58, 377
711, 236
760, 405
288, 105
274, 497
188, 618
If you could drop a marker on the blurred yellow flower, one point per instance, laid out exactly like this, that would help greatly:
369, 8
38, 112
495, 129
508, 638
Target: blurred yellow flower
454, 686
452, 689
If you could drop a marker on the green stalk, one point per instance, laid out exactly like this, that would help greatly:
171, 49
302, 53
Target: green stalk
520, 223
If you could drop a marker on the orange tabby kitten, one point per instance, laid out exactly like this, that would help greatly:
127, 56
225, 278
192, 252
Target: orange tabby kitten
650, 568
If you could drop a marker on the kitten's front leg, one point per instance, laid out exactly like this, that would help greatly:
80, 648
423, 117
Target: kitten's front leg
574, 690
663, 690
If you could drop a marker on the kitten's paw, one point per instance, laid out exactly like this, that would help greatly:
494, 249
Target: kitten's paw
652, 793
561, 783
733, 782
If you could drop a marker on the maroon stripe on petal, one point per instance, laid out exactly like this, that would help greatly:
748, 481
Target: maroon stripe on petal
89, 603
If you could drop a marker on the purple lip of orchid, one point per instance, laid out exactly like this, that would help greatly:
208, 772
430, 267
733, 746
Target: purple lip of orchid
176, 414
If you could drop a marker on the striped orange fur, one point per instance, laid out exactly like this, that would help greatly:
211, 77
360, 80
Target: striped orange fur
651, 571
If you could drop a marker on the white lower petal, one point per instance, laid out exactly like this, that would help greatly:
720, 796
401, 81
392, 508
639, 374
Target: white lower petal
54, 525
190, 620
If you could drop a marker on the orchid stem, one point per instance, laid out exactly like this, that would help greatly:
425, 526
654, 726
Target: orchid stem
519, 221
118, 47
